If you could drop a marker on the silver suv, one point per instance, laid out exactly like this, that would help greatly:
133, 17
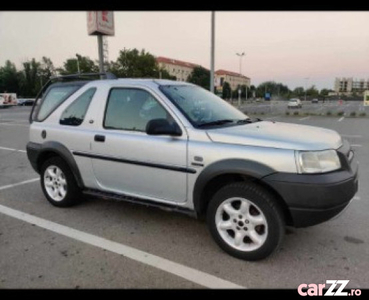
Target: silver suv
177, 146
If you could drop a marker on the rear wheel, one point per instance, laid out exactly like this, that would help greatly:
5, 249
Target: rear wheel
245, 221
58, 183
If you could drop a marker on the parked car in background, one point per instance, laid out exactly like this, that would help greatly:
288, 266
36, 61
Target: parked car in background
315, 101
294, 103
21, 102
25, 101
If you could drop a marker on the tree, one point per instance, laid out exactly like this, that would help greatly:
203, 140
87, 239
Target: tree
243, 91
298, 92
273, 88
227, 91
134, 63
29, 82
85, 64
9, 78
265, 87
312, 92
235, 94
2, 85
251, 93
164, 74
46, 70
34, 76
325, 92
200, 76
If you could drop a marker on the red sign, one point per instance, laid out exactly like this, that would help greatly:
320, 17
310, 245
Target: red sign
100, 22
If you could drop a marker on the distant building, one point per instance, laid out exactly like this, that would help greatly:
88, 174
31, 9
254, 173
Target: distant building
348, 86
178, 68
234, 79
182, 69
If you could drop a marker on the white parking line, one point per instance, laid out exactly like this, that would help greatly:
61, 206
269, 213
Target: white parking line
177, 269
19, 183
358, 198
14, 120
305, 118
351, 135
14, 124
271, 118
12, 149
356, 145
341, 119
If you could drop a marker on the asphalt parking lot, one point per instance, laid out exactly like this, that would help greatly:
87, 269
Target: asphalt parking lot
326, 108
109, 244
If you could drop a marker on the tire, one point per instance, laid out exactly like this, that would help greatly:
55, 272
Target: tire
245, 221
58, 183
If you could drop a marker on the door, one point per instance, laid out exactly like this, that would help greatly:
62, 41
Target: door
126, 160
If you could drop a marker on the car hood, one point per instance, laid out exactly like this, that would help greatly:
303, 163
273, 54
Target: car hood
278, 135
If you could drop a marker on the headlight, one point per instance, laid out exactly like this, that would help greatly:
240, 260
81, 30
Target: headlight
317, 161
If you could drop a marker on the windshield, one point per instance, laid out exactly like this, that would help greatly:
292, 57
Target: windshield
201, 107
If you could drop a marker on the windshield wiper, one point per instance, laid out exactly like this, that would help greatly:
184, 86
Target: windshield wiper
218, 122
244, 121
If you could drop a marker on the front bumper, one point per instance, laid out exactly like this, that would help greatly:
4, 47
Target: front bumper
315, 198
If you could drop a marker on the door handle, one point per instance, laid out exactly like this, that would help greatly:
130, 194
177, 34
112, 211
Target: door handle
99, 138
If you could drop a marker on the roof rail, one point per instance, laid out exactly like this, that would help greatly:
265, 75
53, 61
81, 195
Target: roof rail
106, 75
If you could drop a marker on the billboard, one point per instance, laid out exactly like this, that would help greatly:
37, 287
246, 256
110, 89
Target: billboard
100, 22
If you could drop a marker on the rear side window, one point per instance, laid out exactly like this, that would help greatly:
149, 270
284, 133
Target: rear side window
75, 113
56, 96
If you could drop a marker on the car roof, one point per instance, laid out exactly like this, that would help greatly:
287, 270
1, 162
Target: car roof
144, 81
125, 81
69, 82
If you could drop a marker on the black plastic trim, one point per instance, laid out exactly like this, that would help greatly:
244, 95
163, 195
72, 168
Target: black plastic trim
229, 166
135, 162
141, 201
304, 217
35, 151
315, 198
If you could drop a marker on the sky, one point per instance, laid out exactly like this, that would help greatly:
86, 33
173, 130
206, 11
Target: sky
296, 48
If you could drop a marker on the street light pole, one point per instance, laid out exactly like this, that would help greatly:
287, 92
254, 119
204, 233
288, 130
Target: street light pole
239, 89
78, 64
212, 52
101, 54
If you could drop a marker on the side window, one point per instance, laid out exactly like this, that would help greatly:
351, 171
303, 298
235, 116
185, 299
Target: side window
75, 113
56, 96
131, 109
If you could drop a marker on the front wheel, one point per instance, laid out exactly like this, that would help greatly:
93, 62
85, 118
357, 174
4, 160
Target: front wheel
245, 221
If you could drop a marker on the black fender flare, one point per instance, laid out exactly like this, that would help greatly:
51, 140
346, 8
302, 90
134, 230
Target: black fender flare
36, 152
228, 166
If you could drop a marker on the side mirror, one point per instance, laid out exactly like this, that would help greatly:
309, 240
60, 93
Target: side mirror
162, 127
